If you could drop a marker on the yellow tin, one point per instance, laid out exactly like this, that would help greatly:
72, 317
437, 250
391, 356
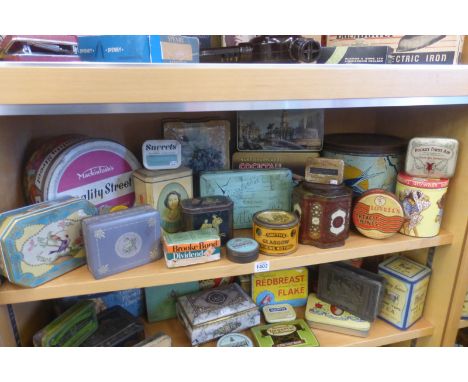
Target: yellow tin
276, 232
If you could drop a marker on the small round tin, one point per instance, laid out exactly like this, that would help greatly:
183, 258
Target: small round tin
276, 231
242, 250
234, 340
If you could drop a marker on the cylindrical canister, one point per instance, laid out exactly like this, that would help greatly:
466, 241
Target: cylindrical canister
324, 212
423, 203
276, 231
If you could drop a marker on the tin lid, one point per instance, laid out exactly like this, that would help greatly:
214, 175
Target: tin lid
364, 143
139, 212
234, 340
206, 204
242, 249
279, 313
404, 268
327, 190
275, 219
153, 176
414, 181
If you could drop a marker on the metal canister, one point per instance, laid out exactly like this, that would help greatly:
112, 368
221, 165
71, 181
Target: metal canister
276, 231
423, 203
324, 211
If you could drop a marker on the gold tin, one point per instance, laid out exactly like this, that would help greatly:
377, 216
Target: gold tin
276, 232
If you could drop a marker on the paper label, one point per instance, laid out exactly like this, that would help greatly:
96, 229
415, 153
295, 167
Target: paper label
261, 266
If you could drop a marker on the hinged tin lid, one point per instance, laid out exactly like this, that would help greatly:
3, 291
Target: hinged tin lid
404, 268
279, 313
155, 176
213, 304
206, 204
364, 143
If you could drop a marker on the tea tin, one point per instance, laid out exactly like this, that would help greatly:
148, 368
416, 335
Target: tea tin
161, 154
209, 212
242, 250
278, 313
378, 214
43, 241
423, 202
234, 340
122, 240
164, 190
431, 157
324, 171
324, 211
405, 291
295, 333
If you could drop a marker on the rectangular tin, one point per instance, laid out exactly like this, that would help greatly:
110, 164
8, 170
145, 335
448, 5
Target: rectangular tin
324, 171
161, 154
43, 241
295, 333
354, 55
279, 313
212, 313
250, 190
122, 240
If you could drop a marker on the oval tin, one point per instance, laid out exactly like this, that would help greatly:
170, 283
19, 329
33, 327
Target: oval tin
234, 340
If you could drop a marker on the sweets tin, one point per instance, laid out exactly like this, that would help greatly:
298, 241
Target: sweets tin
423, 202
278, 313
378, 214
160, 339
234, 340
276, 232
164, 190
324, 170
371, 160
71, 328
212, 313
431, 157
242, 250
251, 191
209, 212
288, 286
324, 316
161, 154
43, 241
295, 333
191, 247
405, 291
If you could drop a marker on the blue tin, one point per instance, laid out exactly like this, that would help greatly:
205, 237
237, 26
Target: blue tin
242, 250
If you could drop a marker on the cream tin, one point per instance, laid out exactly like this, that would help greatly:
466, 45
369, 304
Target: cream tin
405, 291
278, 313
161, 154
164, 190
431, 157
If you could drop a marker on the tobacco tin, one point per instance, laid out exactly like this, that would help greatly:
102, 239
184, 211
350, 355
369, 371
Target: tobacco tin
234, 340
279, 313
161, 154
295, 333
242, 250
324, 170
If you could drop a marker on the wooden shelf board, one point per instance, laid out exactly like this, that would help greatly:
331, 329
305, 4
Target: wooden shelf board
463, 324
80, 281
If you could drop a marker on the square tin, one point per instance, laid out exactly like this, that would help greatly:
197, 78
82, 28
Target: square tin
212, 313
324, 171
294, 333
164, 190
122, 240
278, 313
161, 154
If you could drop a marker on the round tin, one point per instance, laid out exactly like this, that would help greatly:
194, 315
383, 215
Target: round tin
276, 231
242, 250
423, 202
234, 340
371, 160
378, 214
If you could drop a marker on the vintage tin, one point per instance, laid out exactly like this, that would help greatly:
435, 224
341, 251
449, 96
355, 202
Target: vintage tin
371, 160
276, 232
431, 157
278, 313
122, 240
464, 315
288, 286
245, 282
212, 313
43, 241
97, 170
378, 214
71, 328
324, 171
405, 291
160, 339
209, 212
295, 333
251, 191
324, 211
321, 315
164, 190
161, 154
192, 247
234, 340
242, 250
423, 202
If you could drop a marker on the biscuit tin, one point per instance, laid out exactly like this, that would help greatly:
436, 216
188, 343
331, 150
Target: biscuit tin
191, 247
324, 211
212, 313
242, 250
423, 202
160, 339
465, 308
378, 214
121, 240
324, 170
288, 286
431, 157
321, 315
234, 340
371, 160
251, 191
278, 313
43, 241
276, 232
164, 190
161, 154
355, 290
405, 291
295, 333
209, 212
71, 328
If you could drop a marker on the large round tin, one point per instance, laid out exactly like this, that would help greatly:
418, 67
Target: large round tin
423, 202
276, 231
371, 160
